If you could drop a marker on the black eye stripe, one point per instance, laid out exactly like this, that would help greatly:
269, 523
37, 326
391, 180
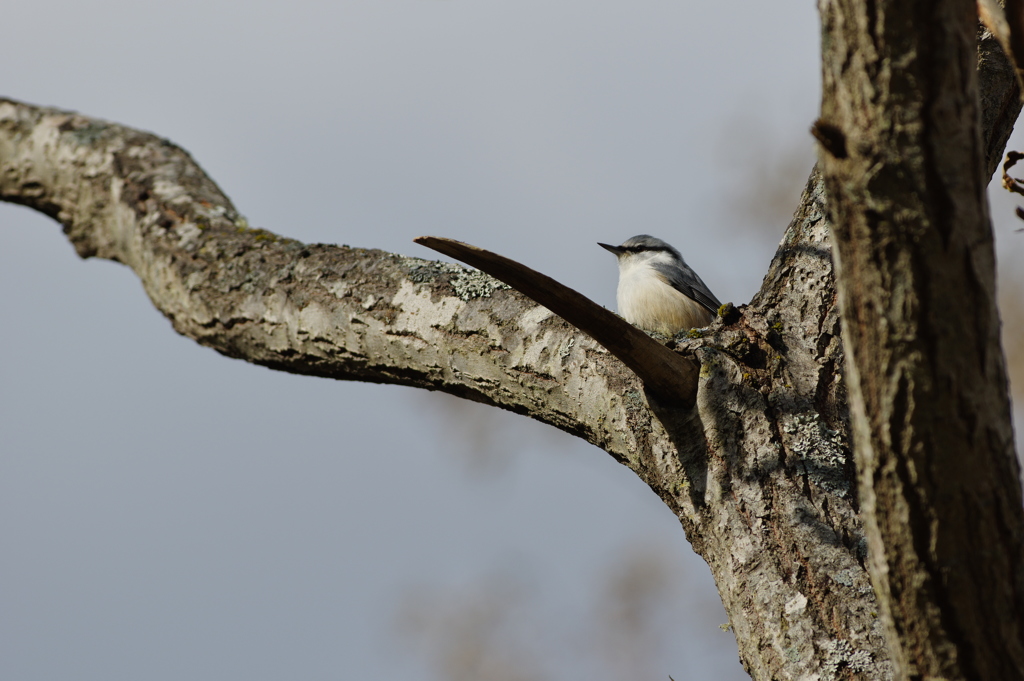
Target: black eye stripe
645, 249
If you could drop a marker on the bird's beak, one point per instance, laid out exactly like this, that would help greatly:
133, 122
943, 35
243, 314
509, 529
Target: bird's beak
614, 249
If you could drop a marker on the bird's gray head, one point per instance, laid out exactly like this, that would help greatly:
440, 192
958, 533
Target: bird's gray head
643, 248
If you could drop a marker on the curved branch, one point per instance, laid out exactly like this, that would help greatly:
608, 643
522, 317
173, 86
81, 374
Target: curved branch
321, 310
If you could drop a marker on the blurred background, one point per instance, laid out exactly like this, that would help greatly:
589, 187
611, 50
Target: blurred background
168, 513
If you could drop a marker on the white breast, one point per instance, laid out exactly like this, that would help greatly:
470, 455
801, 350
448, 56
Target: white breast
645, 300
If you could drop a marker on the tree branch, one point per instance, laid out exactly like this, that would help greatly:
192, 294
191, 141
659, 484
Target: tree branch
321, 310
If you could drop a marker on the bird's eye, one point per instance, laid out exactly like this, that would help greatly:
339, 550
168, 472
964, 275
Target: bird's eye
645, 249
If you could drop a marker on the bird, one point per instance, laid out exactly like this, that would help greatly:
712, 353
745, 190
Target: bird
657, 290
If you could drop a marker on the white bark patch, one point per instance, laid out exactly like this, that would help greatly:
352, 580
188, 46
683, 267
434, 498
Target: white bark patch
46, 134
744, 553
531, 355
122, 231
419, 312
338, 289
171, 192
796, 604
316, 322
188, 232
531, 319
278, 310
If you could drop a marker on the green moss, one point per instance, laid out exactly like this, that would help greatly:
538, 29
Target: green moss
739, 347
242, 227
89, 134
728, 313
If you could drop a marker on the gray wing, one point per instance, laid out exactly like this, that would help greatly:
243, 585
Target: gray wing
689, 284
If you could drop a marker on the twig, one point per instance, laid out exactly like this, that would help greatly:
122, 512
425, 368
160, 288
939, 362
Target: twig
1008, 28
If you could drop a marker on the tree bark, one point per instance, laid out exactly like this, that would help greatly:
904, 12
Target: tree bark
759, 472
938, 475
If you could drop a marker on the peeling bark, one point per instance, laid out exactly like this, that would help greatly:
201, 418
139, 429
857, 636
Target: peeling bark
759, 472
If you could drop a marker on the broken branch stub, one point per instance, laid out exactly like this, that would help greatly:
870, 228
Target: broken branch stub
669, 376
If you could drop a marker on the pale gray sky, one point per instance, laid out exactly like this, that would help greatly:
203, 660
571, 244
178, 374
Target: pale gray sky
167, 513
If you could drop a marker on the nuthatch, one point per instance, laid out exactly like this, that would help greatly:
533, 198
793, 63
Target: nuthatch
657, 289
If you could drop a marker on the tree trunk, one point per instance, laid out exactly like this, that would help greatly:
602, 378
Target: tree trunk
930, 407
760, 471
